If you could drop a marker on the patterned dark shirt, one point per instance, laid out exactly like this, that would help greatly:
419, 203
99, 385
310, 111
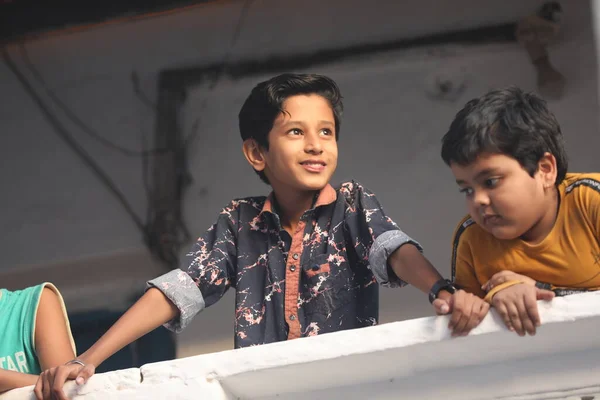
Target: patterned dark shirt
315, 281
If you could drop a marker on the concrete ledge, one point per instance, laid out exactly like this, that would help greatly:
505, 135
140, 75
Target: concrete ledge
409, 359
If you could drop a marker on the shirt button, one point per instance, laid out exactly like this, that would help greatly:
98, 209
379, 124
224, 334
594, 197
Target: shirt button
293, 268
292, 317
295, 256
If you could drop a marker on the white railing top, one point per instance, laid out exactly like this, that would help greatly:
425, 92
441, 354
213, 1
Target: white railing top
409, 359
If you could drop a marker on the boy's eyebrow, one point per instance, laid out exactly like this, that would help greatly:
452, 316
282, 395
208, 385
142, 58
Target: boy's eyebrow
323, 121
485, 172
292, 123
480, 174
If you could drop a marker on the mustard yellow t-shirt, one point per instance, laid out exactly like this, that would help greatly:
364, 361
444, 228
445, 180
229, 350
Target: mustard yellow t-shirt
568, 259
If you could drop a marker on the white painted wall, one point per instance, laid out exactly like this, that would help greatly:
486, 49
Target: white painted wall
55, 211
414, 359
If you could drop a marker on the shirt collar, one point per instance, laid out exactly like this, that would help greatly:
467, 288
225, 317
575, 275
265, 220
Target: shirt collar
326, 196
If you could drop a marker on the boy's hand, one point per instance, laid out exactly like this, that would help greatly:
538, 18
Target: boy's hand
50, 383
505, 276
467, 309
517, 306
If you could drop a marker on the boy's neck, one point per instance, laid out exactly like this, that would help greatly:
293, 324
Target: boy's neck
545, 224
291, 207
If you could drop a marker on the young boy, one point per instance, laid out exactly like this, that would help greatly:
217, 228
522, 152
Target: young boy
299, 259
533, 230
34, 334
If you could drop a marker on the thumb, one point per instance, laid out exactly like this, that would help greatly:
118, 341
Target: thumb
85, 373
441, 306
543, 294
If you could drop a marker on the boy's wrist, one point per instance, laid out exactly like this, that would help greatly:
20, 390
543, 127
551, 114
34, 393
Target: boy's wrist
444, 295
442, 289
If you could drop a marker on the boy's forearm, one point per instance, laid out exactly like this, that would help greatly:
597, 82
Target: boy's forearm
411, 266
11, 380
152, 310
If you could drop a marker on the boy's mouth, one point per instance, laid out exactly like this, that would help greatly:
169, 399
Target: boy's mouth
313, 165
491, 219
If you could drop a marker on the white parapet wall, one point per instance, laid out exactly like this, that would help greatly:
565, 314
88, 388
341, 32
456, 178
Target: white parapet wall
410, 359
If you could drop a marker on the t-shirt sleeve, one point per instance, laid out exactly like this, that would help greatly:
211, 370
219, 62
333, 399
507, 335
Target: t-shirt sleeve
589, 197
373, 234
207, 271
463, 270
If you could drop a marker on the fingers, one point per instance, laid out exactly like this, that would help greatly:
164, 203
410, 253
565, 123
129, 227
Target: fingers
526, 320
472, 319
457, 310
85, 374
480, 310
47, 382
542, 294
497, 279
463, 317
468, 311
39, 385
503, 313
515, 317
441, 306
531, 309
49, 385
61, 375
518, 309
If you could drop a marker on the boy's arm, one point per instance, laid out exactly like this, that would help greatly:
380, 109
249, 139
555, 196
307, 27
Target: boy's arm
172, 300
467, 309
396, 259
151, 311
53, 341
11, 380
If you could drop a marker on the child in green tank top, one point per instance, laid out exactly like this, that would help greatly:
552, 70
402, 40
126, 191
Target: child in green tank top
35, 334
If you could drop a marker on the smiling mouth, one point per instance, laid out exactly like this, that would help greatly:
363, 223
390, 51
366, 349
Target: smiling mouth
313, 165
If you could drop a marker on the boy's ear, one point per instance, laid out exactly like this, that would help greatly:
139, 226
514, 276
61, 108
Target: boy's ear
254, 154
547, 170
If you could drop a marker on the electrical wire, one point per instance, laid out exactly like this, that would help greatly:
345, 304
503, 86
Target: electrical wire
64, 134
74, 118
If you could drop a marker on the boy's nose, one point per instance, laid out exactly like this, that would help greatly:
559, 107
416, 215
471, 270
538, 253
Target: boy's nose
312, 144
481, 198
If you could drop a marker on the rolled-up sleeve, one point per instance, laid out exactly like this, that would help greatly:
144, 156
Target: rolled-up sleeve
179, 287
375, 235
382, 248
206, 273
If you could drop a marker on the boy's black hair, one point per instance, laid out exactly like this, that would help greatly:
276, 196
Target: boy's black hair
265, 103
507, 121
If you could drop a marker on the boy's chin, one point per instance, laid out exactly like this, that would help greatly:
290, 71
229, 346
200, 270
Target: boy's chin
313, 184
502, 233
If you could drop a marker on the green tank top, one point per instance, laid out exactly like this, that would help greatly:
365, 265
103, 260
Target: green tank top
18, 311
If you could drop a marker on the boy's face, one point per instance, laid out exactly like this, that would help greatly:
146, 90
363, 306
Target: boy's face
303, 151
502, 197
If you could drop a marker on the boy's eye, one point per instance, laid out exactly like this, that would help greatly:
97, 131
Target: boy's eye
326, 132
491, 182
295, 131
466, 191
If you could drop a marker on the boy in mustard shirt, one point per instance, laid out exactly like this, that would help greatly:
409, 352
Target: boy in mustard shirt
533, 229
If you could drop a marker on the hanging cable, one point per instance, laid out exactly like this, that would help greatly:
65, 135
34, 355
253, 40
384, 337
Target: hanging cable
74, 118
64, 134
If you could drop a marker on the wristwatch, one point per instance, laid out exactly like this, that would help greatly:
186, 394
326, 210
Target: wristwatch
442, 284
